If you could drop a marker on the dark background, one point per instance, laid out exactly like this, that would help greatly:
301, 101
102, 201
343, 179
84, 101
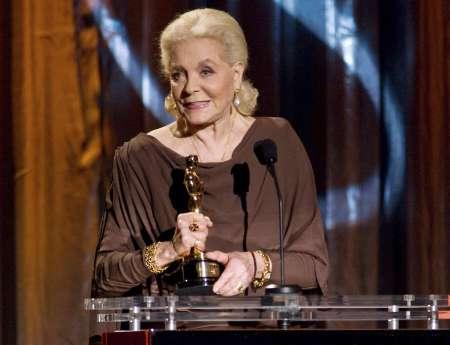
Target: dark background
368, 95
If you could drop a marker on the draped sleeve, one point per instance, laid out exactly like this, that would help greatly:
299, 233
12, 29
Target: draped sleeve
127, 227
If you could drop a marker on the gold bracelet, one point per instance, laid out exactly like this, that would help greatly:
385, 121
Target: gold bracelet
149, 256
267, 271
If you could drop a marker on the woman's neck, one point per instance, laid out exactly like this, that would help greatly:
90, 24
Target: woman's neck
213, 143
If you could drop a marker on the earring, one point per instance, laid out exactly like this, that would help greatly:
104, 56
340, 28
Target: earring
171, 105
169, 102
236, 100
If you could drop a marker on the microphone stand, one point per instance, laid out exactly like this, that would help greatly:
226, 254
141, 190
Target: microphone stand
281, 289
266, 152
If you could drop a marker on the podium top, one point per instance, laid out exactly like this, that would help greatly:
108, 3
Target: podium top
286, 308
269, 302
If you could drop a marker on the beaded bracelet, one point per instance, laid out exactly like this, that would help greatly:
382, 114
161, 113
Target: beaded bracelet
149, 258
267, 270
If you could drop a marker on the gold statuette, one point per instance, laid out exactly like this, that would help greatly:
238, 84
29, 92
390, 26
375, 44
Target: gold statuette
193, 184
198, 273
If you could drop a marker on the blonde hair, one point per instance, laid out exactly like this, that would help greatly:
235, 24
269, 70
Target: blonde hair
218, 25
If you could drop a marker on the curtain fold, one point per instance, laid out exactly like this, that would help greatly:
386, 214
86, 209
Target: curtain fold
429, 160
352, 130
7, 238
57, 148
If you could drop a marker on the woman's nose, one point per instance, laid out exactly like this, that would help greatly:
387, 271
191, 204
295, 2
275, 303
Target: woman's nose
191, 85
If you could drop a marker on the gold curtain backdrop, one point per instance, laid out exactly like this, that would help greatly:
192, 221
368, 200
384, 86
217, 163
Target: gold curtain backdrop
57, 147
56, 143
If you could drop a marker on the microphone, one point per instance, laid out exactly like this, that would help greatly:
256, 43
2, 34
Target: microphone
266, 152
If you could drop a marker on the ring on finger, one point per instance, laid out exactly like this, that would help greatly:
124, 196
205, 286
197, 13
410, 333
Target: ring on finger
240, 287
193, 227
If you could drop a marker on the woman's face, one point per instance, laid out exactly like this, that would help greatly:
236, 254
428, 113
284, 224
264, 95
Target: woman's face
202, 83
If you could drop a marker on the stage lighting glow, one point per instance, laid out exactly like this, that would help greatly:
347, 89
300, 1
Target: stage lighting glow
138, 73
396, 137
338, 34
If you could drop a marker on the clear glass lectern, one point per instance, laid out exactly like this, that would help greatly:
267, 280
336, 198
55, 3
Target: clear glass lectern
283, 310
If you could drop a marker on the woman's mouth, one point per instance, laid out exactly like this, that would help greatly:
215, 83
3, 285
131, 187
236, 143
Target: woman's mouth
196, 105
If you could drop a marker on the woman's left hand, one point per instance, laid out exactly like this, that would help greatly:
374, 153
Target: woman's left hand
238, 274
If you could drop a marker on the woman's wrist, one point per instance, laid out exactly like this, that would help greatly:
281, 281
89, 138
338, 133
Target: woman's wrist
158, 256
255, 265
263, 269
168, 253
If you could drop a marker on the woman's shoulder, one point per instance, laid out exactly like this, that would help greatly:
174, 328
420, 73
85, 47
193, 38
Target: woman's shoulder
162, 134
279, 129
131, 147
274, 124
137, 146
272, 120
151, 147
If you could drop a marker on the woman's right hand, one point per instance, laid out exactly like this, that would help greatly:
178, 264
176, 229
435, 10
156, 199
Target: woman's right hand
191, 231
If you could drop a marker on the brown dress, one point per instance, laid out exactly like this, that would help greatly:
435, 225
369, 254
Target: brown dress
147, 193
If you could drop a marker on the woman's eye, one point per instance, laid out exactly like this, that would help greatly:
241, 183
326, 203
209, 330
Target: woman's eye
175, 76
206, 72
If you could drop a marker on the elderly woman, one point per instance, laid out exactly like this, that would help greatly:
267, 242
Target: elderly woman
146, 226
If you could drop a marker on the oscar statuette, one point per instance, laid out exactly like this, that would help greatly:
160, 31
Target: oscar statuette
198, 274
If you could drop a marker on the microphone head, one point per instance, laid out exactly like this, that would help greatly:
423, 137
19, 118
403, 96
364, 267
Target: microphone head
266, 151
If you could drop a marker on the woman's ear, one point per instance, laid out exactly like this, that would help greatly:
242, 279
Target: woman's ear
238, 72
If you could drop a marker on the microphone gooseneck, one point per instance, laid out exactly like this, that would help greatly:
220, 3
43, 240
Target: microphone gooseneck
266, 152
